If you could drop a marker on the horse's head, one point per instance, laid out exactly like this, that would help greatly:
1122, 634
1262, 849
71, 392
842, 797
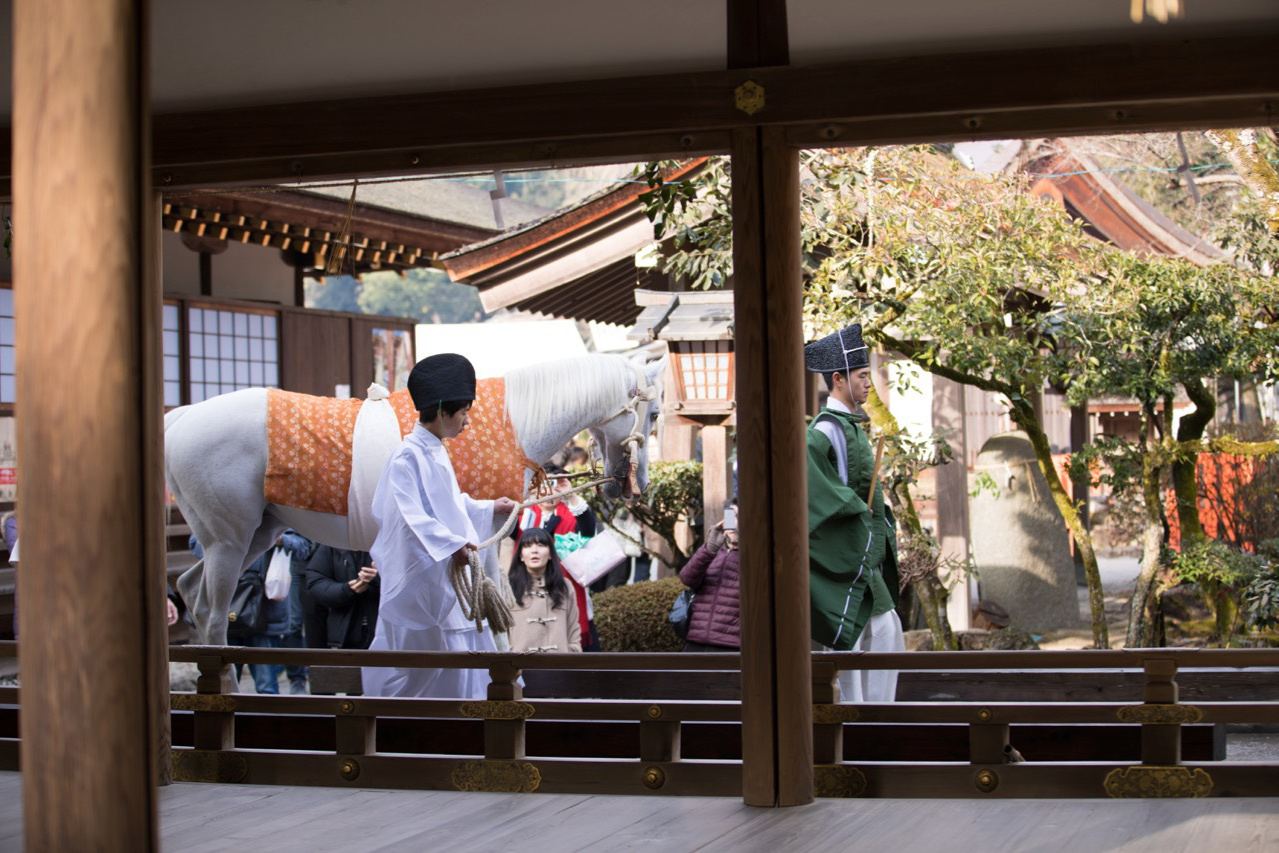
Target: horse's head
624, 438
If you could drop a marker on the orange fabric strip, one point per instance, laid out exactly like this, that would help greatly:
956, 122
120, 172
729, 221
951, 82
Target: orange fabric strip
309, 448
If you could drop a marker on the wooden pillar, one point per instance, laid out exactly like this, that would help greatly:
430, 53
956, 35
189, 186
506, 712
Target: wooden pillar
952, 493
154, 548
88, 423
714, 474
777, 730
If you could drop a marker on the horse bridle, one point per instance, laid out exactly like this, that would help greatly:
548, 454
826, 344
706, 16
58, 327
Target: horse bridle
644, 393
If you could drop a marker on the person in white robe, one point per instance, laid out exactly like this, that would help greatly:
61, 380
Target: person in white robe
425, 521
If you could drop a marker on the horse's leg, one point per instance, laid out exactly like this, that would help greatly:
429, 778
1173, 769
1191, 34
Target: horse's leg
225, 562
215, 459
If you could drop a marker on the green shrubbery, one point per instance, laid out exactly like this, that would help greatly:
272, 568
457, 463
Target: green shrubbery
632, 618
1222, 574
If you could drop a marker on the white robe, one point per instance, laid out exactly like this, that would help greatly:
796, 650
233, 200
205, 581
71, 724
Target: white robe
423, 520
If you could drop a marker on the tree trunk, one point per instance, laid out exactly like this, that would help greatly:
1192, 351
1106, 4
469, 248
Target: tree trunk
1140, 629
1023, 415
1185, 472
932, 593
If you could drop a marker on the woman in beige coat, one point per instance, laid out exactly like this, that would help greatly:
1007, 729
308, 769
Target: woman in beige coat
545, 615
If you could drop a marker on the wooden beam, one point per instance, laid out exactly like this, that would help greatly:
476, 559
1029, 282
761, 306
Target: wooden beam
757, 33
1063, 90
1098, 88
777, 731
715, 477
89, 726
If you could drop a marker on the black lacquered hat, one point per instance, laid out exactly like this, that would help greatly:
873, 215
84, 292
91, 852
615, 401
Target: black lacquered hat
441, 378
838, 352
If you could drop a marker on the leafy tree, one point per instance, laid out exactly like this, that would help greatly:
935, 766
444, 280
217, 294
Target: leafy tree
1250, 152
426, 295
1143, 329
977, 280
334, 293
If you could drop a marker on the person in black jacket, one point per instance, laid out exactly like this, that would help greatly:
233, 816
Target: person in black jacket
345, 586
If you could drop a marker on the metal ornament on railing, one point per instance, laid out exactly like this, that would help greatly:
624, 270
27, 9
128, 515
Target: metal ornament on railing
218, 702
829, 714
505, 777
838, 780
653, 778
1157, 782
986, 780
492, 710
1154, 714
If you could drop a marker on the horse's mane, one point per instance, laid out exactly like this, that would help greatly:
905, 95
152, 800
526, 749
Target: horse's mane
537, 396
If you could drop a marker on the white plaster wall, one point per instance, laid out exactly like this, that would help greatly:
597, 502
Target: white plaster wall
181, 271
241, 272
913, 408
252, 272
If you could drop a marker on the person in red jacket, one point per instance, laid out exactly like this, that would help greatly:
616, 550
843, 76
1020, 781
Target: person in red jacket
712, 575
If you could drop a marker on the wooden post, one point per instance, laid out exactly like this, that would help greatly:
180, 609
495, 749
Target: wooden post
504, 738
828, 738
356, 735
155, 563
714, 474
1161, 742
987, 743
659, 740
86, 422
777, 730
214, 729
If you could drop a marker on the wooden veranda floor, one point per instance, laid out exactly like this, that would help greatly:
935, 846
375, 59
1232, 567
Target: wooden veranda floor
202, 818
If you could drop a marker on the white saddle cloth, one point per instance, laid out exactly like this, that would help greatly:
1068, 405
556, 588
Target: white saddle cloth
377, 434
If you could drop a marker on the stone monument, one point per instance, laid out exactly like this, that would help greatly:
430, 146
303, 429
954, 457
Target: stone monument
1020, 543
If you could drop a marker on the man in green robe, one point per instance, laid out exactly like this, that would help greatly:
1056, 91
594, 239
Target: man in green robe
852, 545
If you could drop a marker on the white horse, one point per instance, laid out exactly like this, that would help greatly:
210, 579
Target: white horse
216, 457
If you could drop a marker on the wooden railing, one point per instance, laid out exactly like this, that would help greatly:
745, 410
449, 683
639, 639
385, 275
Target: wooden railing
508, 742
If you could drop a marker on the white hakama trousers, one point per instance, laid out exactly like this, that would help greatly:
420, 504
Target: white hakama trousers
428, 683
882, 634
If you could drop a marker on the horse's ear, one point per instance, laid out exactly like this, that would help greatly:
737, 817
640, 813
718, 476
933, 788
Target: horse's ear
653, 370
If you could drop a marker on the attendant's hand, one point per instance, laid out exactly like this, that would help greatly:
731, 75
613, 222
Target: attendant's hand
715, 538
462, 555
170, 612
504, 506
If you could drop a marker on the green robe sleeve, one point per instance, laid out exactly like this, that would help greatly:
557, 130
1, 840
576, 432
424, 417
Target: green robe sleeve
830, 500
838, 529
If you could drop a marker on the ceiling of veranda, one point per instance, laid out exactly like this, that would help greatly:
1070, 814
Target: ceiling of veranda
242, 52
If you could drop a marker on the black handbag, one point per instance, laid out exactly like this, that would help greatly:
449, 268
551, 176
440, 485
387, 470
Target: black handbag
682, 613
247, 614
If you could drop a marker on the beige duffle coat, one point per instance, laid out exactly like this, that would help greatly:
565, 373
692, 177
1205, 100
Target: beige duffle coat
539, 628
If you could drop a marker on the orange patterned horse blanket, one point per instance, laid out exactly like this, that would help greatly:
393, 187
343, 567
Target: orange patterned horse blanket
309, 443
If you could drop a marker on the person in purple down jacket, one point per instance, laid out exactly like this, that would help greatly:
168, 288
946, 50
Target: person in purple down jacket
712, 575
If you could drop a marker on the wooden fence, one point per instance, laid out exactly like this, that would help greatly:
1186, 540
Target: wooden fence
510, 742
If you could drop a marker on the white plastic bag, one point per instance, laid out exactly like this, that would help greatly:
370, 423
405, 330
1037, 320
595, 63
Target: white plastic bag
277, 576
594, 559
